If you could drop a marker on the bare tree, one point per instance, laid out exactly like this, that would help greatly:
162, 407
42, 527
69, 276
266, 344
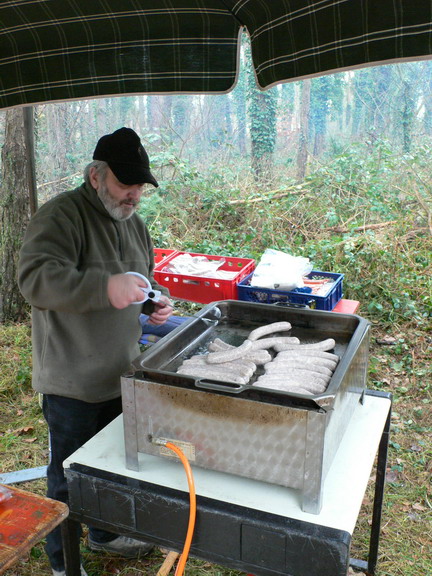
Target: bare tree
302, 153
14, 213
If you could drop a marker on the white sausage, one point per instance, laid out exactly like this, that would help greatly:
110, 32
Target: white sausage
218, 344
201, 359
315, 353
286, 366
239, 367
258, 357
323, 346
297, 380
229, 355
202, 371
269, 329
274, 342
303, 376
306, 361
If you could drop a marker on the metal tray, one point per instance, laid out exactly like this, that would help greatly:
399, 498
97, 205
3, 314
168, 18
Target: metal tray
232, 321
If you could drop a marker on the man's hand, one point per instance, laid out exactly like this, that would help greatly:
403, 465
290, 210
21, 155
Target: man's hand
125, 289
163, 310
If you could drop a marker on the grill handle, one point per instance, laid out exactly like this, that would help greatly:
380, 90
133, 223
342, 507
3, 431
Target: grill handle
230, 387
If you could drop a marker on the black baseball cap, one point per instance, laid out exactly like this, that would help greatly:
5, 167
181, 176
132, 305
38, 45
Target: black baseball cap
125, 155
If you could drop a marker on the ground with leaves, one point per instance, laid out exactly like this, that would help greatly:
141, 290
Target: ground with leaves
406, 525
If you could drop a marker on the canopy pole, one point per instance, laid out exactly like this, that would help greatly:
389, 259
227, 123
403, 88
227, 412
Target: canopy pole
30, 155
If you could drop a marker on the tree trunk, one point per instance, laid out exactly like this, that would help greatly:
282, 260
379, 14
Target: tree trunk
262, 114
261, 110
14, 214
181, 116
302, 154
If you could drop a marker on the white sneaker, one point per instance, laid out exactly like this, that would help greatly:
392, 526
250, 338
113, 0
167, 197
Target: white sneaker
63, 572
122, 545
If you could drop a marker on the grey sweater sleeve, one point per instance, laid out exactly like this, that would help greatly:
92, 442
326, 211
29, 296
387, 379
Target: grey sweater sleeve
49, 274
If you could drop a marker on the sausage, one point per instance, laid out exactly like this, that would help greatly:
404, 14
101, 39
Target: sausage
269, 329
217, 344
240, 367
201, 359
285, 367
323, 346
305, 361
304, 353
300, 375
205, 372
274, 342
229, 355
258, 357
281, 343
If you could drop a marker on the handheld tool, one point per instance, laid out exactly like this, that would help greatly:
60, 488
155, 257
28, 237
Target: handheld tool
149, 293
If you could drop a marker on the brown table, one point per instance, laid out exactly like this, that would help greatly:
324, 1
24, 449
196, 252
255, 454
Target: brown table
25, 519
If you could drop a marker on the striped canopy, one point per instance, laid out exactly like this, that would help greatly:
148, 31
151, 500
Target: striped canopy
74, 49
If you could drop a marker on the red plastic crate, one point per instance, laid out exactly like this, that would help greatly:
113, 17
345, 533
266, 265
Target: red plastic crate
204, 289
160, 254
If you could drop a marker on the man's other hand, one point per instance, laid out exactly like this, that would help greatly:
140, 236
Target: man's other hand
163, 310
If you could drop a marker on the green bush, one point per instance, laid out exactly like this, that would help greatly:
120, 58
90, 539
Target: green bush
364, 214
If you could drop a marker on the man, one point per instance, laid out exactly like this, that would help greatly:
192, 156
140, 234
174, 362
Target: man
85, 321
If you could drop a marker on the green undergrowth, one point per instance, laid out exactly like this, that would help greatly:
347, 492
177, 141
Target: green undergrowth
367, 215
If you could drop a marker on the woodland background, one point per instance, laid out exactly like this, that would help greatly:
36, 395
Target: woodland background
336, 168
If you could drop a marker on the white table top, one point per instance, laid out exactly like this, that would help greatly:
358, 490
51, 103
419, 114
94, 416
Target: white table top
344, 487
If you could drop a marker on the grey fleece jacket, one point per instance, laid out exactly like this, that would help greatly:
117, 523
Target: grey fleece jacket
82, 344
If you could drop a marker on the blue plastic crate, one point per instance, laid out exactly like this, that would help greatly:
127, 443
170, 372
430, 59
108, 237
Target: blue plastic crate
269, 296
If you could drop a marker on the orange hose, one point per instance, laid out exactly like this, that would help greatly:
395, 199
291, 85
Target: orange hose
192, 510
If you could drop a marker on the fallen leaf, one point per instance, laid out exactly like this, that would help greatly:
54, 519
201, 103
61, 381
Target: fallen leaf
386, 341
30, 440
24, 430
419, 507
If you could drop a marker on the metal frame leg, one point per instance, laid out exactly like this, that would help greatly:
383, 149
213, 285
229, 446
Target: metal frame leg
71, 547
369, 567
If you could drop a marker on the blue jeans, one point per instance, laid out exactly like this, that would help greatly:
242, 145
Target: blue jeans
71, 424
159, 331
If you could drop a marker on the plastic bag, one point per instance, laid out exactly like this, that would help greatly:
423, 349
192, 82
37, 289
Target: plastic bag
189, 265
280, 271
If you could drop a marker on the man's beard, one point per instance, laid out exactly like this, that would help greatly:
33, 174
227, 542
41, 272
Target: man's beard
116, 209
